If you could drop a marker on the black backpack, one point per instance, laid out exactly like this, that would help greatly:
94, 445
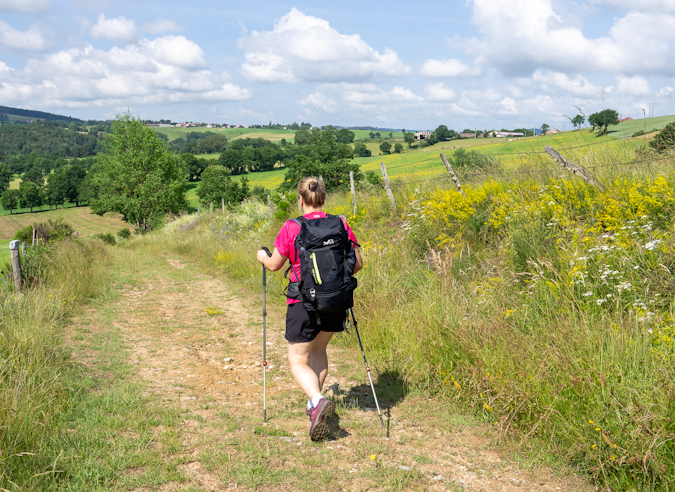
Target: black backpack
327, 260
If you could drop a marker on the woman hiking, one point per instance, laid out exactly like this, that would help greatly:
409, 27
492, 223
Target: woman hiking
309, 331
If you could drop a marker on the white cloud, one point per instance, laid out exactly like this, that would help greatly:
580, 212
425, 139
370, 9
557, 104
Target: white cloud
520, 41
24, 6
119, 29
575, 85
161, 26
302, 47
633, 86
665, 91
30, 40
509, 106
165, 70
439, 92
448, 68
319, 101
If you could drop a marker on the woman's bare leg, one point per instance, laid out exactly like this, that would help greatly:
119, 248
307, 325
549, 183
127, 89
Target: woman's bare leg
309, 363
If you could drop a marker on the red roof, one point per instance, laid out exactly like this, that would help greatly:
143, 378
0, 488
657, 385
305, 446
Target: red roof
626, 119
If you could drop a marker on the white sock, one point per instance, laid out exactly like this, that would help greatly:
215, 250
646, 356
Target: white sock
310, 405
316, 399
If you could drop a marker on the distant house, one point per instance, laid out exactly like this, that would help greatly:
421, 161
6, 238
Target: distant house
240, 126
153, 124
508, 134
209, 125
467, 135
552, 131
164, 125
422, 135
626, 119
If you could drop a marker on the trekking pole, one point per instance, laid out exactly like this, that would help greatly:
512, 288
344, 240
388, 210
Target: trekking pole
356, 328
264, 282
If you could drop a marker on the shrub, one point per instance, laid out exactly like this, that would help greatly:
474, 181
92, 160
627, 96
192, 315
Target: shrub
638, 133
373, 178
50, 231
665, 140
124, 233
106, 238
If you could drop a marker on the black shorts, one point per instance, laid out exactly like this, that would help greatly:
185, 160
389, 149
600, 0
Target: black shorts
302, 327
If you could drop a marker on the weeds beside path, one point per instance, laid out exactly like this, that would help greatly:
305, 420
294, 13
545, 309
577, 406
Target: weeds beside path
179, 351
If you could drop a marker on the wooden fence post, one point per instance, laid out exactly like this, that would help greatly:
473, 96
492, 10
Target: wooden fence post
23, 248
576, 169
16, 264
199, 211
34, 238
351, 184
211, 211
223, 203
387, 188
452, 174
269, 203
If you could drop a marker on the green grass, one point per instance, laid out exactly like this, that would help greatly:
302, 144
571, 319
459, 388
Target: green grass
4, 254
266, 133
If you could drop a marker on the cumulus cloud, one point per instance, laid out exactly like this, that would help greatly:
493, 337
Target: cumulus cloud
30, 40
319, 101
520, 41
165, 70
633, 86
665, 91
118, 29
24, 6
306, 48
162, 26
439, 92
448, 68
575, 85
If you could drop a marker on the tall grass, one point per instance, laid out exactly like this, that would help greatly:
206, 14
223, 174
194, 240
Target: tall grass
538, 302
34, 363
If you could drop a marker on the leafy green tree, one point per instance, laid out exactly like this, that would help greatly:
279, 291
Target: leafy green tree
344, 135
398, 148
192, 165
138, 176
471, 159
578, 120
34, 175
442, 132
55, 192
385, 148
324, 157
433, 138
664, 140
10, 200
545, 128
603, 119
6, 176
409, 138
377, 135
233, 160
216, 185
302, 135
283, 142
371, 135
360, 150
70, 178
30, 195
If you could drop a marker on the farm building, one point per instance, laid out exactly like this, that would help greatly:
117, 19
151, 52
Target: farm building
552, 131
468, 135
508, 134
422, 135
626, 119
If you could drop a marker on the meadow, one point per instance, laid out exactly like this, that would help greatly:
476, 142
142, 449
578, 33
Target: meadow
81, 218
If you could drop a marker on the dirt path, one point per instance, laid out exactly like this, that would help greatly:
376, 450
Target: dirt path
196, 342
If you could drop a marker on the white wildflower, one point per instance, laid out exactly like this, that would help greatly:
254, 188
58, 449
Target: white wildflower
586, 294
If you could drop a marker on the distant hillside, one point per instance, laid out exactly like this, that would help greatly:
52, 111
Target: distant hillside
29, 113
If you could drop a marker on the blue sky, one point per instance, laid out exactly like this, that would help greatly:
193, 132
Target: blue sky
473, 64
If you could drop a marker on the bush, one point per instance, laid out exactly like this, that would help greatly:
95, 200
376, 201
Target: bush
50, 231
124, 233
665, 140
106, 238
638, 133
374, 178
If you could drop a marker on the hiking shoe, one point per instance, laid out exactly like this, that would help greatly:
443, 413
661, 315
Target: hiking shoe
318, 429
308, 412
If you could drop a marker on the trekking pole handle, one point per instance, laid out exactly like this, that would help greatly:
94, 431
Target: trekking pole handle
264, 248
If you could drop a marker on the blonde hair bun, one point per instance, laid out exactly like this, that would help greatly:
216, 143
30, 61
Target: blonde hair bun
313, 191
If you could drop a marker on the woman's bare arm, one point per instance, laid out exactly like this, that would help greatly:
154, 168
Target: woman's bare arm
272, 263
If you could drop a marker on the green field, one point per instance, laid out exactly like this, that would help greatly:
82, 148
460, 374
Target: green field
266, 133
4, 254
81, 218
